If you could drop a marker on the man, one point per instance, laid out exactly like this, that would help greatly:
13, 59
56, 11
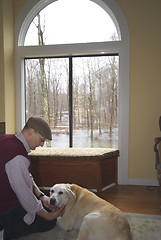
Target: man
24, 209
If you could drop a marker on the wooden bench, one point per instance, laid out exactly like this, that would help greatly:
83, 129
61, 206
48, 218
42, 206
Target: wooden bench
93, 168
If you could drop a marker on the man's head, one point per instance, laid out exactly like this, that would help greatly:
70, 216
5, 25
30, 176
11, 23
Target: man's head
36, 131
40, 126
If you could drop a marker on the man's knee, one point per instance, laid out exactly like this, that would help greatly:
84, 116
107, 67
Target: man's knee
45, 226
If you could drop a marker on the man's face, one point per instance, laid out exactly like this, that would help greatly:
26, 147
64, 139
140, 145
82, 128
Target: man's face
36, 140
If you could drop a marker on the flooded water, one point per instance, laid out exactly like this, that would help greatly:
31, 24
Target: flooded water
81, 139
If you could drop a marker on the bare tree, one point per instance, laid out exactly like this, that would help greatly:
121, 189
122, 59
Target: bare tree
113, 95
45, 108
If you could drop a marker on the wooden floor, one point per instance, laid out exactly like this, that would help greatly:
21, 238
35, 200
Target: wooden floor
134, 199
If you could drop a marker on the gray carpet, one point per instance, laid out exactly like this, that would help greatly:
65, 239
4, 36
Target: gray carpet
143, 227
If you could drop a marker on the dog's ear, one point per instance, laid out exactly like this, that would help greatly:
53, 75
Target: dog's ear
70, 193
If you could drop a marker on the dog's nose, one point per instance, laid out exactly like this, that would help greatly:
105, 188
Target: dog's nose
52, 201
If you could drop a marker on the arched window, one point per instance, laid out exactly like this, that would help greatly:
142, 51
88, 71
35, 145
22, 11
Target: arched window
77, 50
71, 21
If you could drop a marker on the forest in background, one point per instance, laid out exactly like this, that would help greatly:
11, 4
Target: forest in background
93, 88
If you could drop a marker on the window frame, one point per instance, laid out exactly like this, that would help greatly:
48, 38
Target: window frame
121, 48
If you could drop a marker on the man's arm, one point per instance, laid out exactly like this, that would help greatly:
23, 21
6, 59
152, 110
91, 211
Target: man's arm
45, 199
51, 215
23, 186
36, 190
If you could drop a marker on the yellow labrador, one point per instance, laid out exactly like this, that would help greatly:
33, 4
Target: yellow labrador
95, 218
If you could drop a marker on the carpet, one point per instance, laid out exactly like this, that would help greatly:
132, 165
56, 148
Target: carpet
143, 227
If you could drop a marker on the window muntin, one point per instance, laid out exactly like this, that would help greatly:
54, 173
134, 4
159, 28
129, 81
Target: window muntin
93, 94
72, 21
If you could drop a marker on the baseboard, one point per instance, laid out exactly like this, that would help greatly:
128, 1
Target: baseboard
92, 190
143, 182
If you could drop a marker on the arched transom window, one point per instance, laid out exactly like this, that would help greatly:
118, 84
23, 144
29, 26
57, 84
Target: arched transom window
71, 21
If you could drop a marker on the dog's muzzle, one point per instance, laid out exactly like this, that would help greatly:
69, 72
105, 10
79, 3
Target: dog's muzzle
52, 201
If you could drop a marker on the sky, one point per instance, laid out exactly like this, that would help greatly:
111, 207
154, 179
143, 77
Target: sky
73, 21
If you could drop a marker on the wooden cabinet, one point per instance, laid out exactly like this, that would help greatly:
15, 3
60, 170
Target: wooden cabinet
94, 169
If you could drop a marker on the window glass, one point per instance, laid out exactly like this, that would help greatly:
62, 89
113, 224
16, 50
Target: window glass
94, 93
95, 97
47, 95
71, 21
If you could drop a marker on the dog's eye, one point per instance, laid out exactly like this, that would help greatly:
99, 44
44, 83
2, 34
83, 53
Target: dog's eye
60, 192
52, 191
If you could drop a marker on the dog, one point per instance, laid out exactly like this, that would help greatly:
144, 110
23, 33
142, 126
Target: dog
95, 218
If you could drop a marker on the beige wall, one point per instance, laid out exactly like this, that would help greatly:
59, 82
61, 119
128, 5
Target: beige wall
18, 5
7, 91
144, 21
2, 100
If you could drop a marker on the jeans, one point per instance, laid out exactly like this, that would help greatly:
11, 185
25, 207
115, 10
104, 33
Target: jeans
11, 221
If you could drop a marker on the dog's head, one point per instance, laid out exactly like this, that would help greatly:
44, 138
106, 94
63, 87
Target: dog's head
61, 194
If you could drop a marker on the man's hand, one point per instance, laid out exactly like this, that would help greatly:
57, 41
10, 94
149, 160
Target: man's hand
56, 212
45, 201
